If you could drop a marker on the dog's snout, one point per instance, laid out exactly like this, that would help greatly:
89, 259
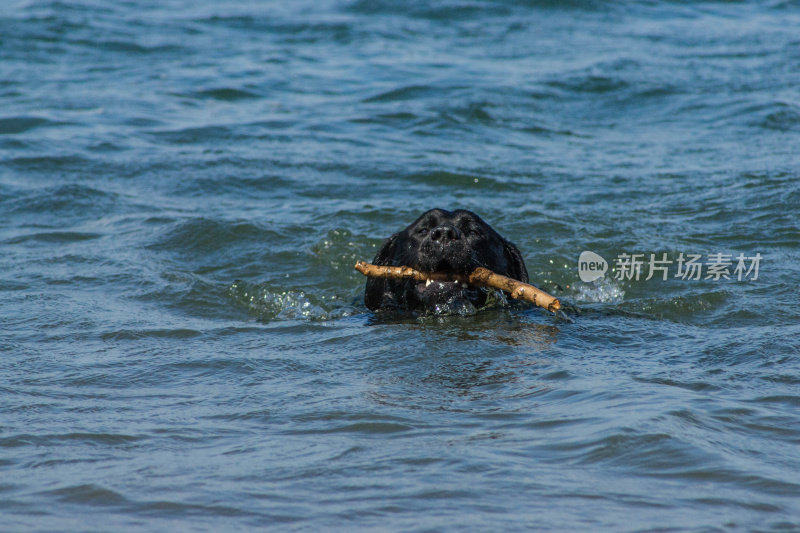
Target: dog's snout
445, 233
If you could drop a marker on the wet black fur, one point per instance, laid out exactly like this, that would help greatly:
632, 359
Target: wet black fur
441, 241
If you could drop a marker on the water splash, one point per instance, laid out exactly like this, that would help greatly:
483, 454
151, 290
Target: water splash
604, 290
269, 304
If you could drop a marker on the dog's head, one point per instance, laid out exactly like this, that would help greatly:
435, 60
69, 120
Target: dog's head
442, 241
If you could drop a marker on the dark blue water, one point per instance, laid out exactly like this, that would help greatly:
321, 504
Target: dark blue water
185, 186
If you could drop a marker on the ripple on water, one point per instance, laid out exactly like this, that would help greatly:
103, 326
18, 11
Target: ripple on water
227, 94
778, 116
87, 494
91, 439
207, 235
22, 124
62, 204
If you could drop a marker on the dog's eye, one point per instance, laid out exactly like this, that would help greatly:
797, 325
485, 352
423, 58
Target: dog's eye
422, 231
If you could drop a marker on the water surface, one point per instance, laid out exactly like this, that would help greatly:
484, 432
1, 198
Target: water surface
185, 186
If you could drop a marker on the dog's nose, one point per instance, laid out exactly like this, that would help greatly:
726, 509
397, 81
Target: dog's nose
445, 233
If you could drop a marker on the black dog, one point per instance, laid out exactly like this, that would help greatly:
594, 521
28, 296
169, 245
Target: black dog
442, 241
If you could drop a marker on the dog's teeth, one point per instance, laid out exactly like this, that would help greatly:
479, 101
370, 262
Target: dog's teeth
428, 282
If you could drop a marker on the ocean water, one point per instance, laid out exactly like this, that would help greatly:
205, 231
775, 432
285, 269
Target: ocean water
185, 187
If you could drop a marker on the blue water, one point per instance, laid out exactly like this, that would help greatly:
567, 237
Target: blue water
185, 186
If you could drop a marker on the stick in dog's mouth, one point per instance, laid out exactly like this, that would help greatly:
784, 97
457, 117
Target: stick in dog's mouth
480, 277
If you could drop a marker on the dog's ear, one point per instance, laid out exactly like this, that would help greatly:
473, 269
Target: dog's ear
377, 287
386, 254
516, 265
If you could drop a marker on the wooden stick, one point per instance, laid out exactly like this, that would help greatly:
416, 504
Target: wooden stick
480, 277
